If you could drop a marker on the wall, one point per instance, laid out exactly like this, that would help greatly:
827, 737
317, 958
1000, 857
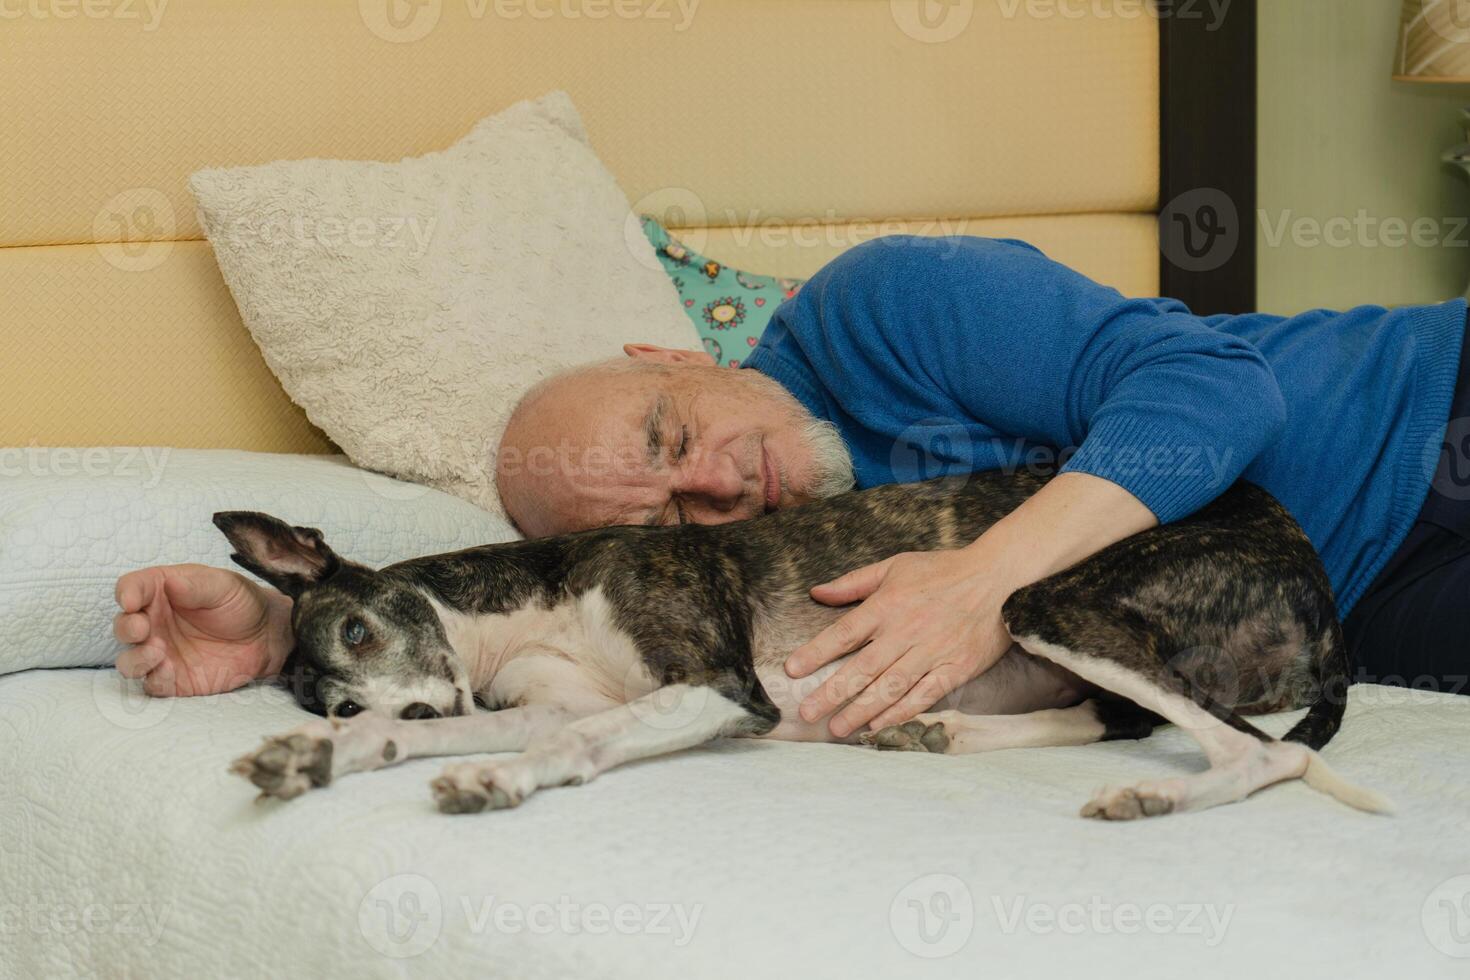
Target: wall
1339, 137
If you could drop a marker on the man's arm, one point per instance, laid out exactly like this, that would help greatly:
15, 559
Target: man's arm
193, 629
994, 333
1164, 413
931, 620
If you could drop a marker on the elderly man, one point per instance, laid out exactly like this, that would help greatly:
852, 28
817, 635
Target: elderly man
908, 358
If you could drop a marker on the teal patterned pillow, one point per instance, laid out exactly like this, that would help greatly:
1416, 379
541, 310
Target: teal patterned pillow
729, 308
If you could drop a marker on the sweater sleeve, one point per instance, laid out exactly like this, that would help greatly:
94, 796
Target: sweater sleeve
1139, 392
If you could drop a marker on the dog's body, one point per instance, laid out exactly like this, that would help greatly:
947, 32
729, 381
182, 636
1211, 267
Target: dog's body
626, 642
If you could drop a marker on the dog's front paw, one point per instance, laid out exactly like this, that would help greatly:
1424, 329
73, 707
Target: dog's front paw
288, 765
469, 787
911, 736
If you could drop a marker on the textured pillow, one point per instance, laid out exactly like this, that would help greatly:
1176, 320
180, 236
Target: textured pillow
406, 305
730, 308
73, 520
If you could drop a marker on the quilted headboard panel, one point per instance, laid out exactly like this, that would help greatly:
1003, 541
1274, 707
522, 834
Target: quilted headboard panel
776, 131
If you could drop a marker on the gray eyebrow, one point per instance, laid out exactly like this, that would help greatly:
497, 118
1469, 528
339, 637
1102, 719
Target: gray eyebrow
653, 426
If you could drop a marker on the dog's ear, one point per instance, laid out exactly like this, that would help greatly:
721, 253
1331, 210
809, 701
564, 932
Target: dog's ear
290, 558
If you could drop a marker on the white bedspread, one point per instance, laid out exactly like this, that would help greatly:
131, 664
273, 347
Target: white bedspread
126, 850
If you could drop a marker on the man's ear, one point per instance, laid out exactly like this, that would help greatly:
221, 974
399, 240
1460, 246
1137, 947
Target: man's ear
290, 558
668, 355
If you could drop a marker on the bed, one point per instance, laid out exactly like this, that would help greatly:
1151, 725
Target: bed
127, 850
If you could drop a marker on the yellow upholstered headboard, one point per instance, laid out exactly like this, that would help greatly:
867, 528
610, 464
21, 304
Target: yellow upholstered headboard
771, 133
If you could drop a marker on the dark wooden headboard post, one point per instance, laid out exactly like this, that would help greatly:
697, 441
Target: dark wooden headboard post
1207, 174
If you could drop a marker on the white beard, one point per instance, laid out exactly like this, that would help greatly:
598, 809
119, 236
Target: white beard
831, 461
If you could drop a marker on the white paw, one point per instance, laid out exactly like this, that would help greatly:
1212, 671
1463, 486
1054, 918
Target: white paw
286, 766
1133, 802
469, 787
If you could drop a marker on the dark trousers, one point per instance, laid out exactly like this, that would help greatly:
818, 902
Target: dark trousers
1412, 626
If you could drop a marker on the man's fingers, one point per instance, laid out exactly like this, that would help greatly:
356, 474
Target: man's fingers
130, 627
837, 640
922, 696
138, 661
200, 586
855, 586
137, 590
854, 679
160, 682
878, 698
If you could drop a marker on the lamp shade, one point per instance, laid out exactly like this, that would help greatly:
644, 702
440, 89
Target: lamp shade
1434, 41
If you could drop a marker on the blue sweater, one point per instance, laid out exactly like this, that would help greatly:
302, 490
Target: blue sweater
937, 356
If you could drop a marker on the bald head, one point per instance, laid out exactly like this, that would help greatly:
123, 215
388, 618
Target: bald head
661, 437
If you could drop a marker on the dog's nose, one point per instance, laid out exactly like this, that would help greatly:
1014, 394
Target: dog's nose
418, 711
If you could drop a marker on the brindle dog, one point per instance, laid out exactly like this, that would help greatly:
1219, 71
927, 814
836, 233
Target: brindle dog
627, 642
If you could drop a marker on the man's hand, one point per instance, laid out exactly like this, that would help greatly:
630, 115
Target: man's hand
194, 629
931, 622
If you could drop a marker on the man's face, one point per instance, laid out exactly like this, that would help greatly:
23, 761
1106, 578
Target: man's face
666, 439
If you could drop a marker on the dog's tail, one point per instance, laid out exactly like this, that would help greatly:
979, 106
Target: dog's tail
1324, 718
1322, 721
1324, 779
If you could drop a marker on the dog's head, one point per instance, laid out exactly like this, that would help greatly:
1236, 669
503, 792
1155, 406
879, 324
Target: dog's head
365, 640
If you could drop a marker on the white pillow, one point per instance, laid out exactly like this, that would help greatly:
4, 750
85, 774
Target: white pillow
406, 305
73, 520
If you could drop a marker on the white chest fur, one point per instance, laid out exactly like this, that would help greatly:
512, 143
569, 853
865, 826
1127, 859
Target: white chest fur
570, 654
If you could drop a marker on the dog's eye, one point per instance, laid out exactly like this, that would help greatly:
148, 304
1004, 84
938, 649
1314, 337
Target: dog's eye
347, 709
354, 631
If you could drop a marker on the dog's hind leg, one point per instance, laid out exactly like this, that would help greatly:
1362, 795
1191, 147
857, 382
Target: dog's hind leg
675, 717
314, 754
1242, 758
956, 733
